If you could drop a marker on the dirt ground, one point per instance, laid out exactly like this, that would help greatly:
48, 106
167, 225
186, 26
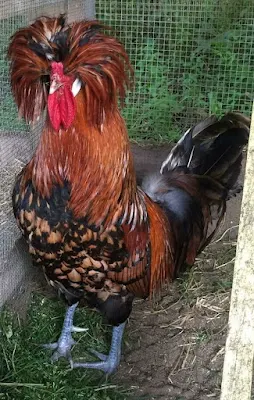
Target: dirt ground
174, 349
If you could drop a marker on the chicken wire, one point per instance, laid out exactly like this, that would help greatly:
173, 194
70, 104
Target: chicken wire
17, 140
191, 58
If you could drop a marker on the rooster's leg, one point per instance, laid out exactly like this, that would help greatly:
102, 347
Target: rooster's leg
65, 342
108, 363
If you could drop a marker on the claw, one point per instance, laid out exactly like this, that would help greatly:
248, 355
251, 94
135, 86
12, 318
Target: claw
51, 346
101, 356
78, 329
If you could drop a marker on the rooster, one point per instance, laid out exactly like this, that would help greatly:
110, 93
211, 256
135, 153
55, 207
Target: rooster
100, 239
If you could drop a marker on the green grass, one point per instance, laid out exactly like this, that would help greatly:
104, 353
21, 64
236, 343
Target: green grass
26, 372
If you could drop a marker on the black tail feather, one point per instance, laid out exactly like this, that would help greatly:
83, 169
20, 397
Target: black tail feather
212, 148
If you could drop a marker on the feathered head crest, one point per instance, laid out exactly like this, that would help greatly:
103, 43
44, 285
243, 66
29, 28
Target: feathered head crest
51, 54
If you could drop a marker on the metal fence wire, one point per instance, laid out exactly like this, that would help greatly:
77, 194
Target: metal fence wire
191, 58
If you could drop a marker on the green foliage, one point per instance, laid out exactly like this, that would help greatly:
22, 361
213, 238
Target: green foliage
191, 59
26, 372
157, 103
8, 112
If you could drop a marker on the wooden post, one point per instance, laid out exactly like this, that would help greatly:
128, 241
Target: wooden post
238, 362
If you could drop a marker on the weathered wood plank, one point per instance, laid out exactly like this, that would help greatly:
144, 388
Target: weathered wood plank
238, 362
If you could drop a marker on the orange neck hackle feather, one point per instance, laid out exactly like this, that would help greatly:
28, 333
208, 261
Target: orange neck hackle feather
97, 164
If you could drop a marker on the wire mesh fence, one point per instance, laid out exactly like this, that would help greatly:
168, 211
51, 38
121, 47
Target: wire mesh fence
191, 58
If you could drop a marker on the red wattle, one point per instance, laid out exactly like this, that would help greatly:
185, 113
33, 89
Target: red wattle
61, 108
67, 107
61, 102
54, 111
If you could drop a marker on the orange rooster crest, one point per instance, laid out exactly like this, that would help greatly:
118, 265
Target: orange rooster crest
97, 61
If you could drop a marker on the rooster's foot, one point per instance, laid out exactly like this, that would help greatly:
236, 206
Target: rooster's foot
65, 342
108, 363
